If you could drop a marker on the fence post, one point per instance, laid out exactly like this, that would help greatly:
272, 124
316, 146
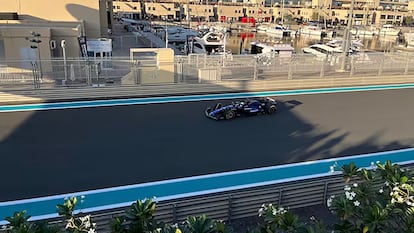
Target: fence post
180, 71
98, 72
230, 206
407, 65
322, 73
351, 73
255, 68
137, 72
279, 202
36, 76
381, 67
325, 192
174, 212
290, 72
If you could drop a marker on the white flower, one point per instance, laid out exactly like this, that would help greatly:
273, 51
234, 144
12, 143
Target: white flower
261, 212
87, 224
355, 185
356, 203
347, 188
274, 212
381, 190
386, 183
329, 202
312, 218
350, 195
91, 231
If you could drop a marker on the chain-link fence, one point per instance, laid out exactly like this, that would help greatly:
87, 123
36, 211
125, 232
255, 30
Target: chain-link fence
200, 68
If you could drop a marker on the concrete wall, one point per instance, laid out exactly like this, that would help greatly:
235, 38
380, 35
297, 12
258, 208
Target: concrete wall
163, 73
92, 12
17, 47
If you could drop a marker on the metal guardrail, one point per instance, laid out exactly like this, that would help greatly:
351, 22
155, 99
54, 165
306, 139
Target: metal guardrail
188, 69
239, 204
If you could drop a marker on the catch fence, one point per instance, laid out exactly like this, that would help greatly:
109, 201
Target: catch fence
200, 68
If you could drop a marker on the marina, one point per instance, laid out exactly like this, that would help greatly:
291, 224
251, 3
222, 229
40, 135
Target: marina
387, 39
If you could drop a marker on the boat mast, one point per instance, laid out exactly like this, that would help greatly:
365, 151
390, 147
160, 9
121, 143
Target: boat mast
283, 12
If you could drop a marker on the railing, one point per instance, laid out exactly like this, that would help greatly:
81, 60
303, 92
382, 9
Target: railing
203, 69
239, 204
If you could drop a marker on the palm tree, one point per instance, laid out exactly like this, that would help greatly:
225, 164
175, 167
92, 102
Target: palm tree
141, 216
200, 224
375, 218
349, 171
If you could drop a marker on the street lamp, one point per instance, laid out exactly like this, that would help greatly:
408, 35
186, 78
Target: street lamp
347, 37
63, 45
36, 43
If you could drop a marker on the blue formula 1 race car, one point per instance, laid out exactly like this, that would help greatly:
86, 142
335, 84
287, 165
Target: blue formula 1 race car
252, 106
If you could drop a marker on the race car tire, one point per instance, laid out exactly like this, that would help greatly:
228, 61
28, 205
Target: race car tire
230, 115
271, 109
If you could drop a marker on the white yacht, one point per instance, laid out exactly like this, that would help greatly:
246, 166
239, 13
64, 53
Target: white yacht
312, 30
354, 45
179, 34
274, 30
362, 32
389, 30
321, 50
208, 43
282, 50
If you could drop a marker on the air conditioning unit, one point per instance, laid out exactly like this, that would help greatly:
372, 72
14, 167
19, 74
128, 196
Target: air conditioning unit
52, 44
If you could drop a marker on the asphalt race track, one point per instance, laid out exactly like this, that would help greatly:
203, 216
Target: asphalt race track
63, 151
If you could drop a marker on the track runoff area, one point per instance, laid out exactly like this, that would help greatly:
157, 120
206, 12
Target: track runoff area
100, 199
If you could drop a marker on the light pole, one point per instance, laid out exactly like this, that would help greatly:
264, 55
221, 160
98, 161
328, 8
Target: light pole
36, 43
347, 36
166, 35
63, 45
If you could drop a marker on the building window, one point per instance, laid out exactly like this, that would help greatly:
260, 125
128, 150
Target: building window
264, 12
134, 8
209, 10
235, 11
169, 9
153, 8
252, 12
382, 16
118, 7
